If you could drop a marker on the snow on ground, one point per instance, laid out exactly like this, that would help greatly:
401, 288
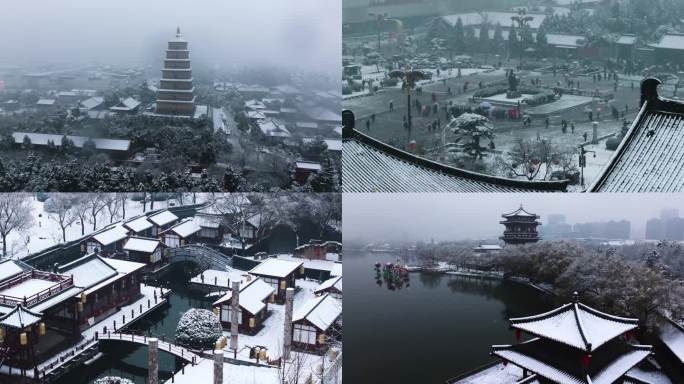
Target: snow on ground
565, 102
232, 373
46, 233
497, 374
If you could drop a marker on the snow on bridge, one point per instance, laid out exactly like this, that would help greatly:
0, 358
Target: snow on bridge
165, 346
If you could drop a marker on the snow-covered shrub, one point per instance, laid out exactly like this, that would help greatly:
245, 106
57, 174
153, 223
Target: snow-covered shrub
198, 329
112, 380
612, 143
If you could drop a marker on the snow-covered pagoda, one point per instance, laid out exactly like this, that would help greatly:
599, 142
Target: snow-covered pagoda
175, 95
369, 165
574, 344
521, 227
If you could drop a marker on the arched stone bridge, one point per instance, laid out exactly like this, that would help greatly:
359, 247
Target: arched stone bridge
164, 346
205, 257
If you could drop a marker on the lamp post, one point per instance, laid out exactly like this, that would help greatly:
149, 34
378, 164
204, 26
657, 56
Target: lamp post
522, 18
583, 162
409, 77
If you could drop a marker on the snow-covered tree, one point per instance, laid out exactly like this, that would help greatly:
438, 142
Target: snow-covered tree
198, 329
61, 208
112, 380
472, 129
16, 214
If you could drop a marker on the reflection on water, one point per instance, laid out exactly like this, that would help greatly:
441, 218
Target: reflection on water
424, 328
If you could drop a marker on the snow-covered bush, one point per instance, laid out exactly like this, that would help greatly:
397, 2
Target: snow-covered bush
112, 380
198, 329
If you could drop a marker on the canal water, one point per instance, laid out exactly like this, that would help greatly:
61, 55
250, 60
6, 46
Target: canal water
126, 360
436, 328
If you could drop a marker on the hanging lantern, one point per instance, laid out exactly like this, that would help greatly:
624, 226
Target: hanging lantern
517, 335
262, 354
301, 269
586, 360
83, 297
216, 311
282, 284
252, 322
23, 338
83, 247
217, 345
80, 306
321, 338
41, 328
2, 335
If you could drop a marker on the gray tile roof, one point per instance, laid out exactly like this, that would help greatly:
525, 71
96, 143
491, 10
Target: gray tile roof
371, 166
651, 156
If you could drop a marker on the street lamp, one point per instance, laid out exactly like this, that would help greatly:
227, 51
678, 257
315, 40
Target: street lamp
583, 162
522, 18
409, 76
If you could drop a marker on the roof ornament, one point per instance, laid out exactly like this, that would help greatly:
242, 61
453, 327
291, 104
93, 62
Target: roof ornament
575, 297
178, 34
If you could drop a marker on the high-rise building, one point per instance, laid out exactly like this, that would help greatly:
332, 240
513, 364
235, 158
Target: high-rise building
175, 95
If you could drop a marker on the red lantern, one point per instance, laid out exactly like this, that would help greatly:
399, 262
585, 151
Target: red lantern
586, 360
517, 335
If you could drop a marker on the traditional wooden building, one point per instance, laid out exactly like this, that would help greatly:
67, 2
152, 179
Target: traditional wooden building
369, 165
315, 323
333, 286
521, 227
180, 234
574, 344
139, 226
175, 95
147, 250
280, 274
162, 220
253, 301
107, 284
211, 230
107, 241
647, 158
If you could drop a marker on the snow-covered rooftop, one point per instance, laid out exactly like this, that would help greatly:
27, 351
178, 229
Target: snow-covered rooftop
142, 244
162, 218
88, 271
127, 104
252, 295
321, 311
563, 40
276, 267
322, 265
576, 325
111, 234
208, 221
9, 268
92, 102
185, 228
670, 41
20, 317
332, 282
138, 224
308, 165
336, 270
673, 337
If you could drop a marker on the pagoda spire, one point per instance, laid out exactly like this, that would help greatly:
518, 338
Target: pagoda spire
178, 34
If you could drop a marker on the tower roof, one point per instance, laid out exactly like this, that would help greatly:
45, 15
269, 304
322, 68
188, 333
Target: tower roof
20, 317
520, 212
576, 325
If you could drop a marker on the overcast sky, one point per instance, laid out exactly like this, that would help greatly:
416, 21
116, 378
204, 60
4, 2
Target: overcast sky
305, 33
476, 216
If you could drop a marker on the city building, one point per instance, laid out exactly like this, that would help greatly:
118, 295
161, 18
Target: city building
175, 95
521, 227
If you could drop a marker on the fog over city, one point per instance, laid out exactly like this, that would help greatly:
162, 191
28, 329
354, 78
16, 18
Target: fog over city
442, 217
229, 33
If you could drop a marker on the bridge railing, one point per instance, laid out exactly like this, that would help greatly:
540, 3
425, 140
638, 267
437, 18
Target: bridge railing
163, 345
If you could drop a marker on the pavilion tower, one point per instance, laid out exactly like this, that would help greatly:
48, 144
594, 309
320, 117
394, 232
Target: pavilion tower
521, 227
574, 344
176, 93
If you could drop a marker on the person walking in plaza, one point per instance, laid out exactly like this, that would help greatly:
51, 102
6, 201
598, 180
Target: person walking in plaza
373, 118
572, 127
367, 125
391, 105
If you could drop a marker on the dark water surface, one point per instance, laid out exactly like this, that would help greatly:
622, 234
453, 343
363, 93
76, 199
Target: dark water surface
436, 328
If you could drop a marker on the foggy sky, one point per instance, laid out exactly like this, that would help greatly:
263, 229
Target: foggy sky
304, 33
442, 217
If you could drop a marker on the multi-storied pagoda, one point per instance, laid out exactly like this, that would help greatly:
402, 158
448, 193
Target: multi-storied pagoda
521, 227
175, 95
574, 344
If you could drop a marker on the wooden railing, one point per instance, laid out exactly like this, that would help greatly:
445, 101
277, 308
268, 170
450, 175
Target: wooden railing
62, 283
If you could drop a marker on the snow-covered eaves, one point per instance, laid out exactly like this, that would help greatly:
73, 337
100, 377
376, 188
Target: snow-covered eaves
208, 221
253, 295
88, 271
111, 234
308, 166
9, 268
314, 264
321, 311
138, 224
651, 156
673, 337
20, 318
162, 218
369, 165
142, 244
335, 282
276, 268
126, 105
185, 228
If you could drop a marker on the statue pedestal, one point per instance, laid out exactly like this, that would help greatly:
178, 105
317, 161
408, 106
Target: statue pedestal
513, 94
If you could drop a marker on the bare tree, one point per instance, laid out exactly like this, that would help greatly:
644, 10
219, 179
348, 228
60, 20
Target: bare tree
62, 210
234, 207
95, 203
81, 211
15, 215
123, 197
113, 204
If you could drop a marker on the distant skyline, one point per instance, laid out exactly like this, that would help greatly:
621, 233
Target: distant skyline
304, 34
444, 217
